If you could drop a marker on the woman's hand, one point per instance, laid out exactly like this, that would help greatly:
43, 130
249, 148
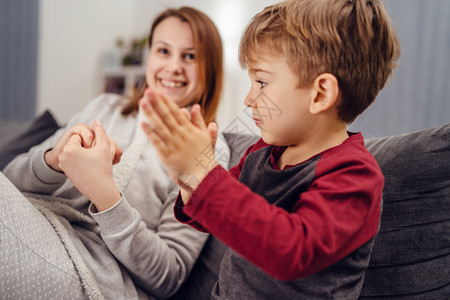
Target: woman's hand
186, 147
91, 168
86, 135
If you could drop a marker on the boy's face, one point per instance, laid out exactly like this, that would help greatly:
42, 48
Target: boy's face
279, 108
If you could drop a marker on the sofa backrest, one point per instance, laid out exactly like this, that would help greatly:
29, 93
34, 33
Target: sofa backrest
411, 254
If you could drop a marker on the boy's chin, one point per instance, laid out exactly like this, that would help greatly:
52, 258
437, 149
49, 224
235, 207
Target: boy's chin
268, 139
273, 140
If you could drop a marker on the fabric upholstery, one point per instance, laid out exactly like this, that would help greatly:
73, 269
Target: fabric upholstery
411, 255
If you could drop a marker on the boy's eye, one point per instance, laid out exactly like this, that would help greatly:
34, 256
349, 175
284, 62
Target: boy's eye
189, 56
261, 83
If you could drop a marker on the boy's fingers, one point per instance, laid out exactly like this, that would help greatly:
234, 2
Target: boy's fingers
154, 120
162, 109
213, 131
197, 118
154, 138
168, 111
185, 113
176, 112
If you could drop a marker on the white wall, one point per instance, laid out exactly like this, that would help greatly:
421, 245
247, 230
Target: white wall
72, 37
75, 34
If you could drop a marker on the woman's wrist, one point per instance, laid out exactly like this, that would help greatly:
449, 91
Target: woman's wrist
106, 199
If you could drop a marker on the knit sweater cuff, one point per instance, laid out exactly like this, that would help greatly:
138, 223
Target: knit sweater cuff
116, 218
44, 172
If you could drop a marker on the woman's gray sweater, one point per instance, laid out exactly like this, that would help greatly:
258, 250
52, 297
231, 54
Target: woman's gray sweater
136, 249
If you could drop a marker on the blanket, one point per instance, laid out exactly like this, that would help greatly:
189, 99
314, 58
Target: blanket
37, 256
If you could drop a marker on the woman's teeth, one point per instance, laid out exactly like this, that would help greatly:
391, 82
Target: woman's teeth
172, 84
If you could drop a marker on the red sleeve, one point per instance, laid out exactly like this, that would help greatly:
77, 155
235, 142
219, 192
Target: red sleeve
235, 172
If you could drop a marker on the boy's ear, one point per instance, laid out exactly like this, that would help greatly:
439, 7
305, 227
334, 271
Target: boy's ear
326, 91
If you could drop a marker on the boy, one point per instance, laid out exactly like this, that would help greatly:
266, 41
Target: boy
301, 209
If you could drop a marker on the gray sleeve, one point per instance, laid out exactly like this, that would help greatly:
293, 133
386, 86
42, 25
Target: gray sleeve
29, 172
163, 257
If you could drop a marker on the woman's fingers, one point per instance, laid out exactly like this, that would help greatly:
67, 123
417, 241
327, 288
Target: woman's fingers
86, 133
117, 156
74, 144
103, 140
74, 141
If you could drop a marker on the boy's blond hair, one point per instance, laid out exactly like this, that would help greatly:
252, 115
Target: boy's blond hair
351, 39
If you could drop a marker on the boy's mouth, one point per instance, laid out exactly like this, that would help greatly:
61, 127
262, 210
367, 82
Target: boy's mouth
258, 122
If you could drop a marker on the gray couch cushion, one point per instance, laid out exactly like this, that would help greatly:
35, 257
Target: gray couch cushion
411, 255
36, 132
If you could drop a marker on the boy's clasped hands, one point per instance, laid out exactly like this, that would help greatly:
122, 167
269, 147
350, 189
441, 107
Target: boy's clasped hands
181, 138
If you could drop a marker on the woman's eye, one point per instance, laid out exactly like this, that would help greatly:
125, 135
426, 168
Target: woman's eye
163, 51
189, 56
261, 83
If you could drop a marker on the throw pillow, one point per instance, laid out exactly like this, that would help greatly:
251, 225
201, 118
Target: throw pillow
40, 128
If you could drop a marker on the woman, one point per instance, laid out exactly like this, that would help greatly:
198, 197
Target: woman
116, 223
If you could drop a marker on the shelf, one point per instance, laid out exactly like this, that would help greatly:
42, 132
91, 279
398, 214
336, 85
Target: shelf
122, 80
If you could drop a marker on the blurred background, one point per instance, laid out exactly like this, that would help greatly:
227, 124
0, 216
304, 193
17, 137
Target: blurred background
57, 55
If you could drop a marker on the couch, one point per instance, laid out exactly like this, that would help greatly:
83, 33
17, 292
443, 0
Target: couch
411, 254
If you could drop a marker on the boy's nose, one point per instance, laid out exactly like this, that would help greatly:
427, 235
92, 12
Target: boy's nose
250, 101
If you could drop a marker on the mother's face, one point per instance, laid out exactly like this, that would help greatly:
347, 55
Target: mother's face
172, 66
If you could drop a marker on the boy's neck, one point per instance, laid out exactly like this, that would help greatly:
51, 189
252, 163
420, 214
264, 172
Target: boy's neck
318, 142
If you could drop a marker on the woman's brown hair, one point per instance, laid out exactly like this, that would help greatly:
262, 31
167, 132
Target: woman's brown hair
209, 56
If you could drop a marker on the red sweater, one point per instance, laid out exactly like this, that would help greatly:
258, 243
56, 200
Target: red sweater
292, 222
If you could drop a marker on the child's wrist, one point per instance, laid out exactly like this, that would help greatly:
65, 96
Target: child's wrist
202, 171
185, 195
190, 181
